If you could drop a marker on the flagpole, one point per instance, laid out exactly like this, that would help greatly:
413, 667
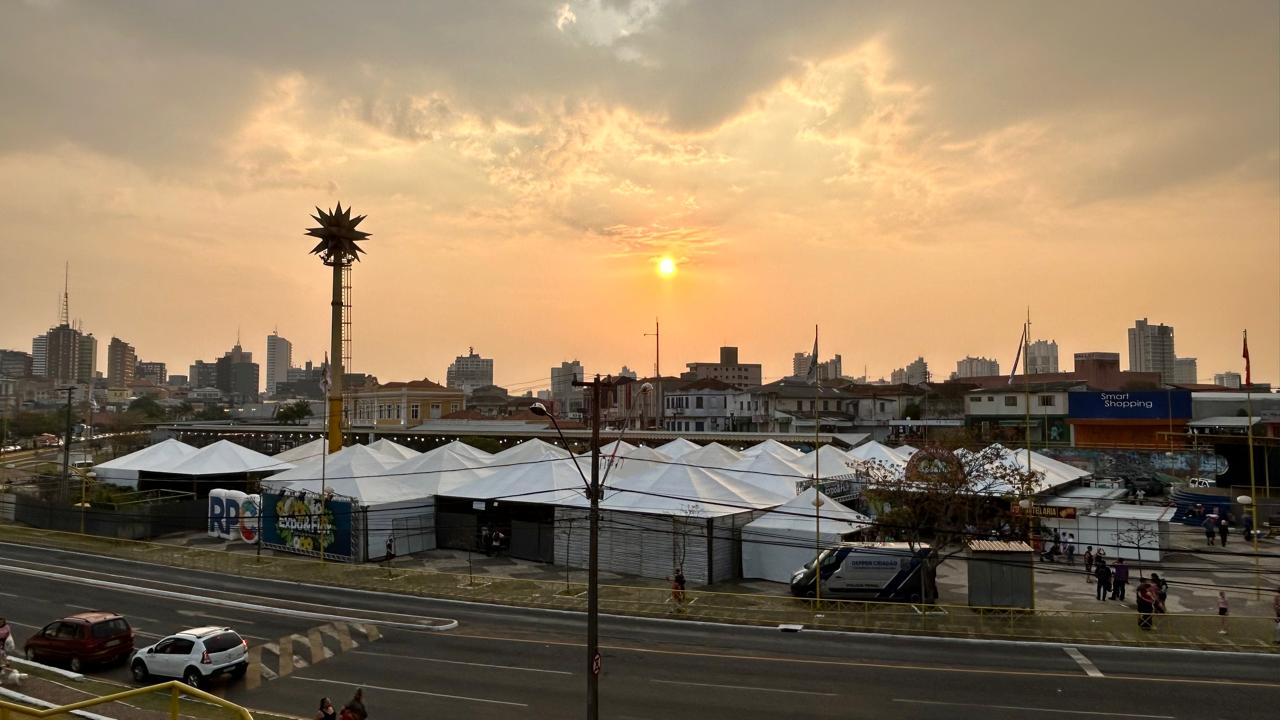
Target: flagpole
817, 458
1253, 483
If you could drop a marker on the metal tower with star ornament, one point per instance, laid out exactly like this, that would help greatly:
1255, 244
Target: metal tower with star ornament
338, 249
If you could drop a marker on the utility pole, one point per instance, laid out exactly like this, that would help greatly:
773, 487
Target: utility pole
594, 661
66, 445
657, 370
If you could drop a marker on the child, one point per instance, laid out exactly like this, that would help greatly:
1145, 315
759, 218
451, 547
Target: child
1222, 611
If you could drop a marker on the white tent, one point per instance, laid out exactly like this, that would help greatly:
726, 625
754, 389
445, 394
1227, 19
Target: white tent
637, 462
773, 447
689, 492
779, 542
883, 454
771, 472
124, 470
529, 451
1054, 473
713, 455
551, 480
304, 451
678, 448
622, 447
341, 471
394, 449
441, 470
829, 461
224, 458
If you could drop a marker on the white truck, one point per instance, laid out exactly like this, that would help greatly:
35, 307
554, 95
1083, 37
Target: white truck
866, 571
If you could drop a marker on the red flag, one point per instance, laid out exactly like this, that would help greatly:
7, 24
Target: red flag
1247, 379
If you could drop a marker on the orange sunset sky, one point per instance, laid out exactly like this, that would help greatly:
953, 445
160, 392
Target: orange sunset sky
909, 176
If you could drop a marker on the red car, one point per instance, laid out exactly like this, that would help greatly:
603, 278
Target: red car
82, 639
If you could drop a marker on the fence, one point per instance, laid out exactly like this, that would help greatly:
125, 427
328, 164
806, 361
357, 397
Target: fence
164, 700
133, 522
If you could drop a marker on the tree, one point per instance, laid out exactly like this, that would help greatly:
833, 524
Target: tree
1136, 535
293, 413
942, 498
212, 412
148, 408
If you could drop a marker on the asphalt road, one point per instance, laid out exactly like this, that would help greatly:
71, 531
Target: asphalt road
502, 663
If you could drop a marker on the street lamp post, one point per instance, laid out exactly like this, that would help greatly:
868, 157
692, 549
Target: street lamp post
593, 553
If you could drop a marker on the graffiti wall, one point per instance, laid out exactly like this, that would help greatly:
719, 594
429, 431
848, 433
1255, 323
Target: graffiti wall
1141, 463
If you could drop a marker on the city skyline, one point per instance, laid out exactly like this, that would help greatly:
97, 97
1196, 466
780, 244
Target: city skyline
866, 168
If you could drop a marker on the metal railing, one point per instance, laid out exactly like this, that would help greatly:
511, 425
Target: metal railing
174, 689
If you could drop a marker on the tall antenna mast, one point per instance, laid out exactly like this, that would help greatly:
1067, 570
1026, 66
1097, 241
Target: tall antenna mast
64, 314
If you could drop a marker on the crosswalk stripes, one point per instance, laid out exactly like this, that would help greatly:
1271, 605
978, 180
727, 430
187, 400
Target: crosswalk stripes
313, 644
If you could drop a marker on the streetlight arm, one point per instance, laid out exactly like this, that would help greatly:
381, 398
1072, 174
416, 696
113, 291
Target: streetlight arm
540, 409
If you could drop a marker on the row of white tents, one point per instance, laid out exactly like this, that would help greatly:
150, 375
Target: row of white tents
715, 511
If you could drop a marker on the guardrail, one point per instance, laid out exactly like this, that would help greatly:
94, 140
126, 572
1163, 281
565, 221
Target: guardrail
173, 689
657, 600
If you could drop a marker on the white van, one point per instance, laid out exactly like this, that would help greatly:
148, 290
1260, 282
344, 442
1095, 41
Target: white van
869, 571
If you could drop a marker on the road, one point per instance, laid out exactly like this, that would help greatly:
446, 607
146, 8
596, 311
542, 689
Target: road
503, 662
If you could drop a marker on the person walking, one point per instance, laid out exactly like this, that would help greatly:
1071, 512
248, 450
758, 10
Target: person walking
1146, 601
1161, 590
326, 711
1276, 605
1224, 527
1088, 564
1071, 549
1223, 610
1119, 579
7, 643
1210, 525
355, 709
1102, 572
677, 587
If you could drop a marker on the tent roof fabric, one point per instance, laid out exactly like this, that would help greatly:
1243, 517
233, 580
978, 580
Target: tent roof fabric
828, 460
353, 461
770, 472
882, 453
153, 457
303, 451
529, 450
554, 480
678, 448
773, 447
713, 455
638, 461
442, 470
394, 449
623, 447
688, 491
224, 458
798, 514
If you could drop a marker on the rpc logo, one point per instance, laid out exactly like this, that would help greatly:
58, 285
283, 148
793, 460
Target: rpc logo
233, 515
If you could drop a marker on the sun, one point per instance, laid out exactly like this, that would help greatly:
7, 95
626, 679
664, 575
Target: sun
666, 267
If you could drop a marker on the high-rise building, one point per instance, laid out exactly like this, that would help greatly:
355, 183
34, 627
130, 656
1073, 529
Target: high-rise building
40, 355
15, 364
1042, 357
627, 372
976, 367
202, 375
468, 372
178, 380
64, 355
279, 360
122, 362
237, 375
1227, 379
729, 370
913, 374
1151, 349
568, 399
800, 364
1184, 370
154, 372
87, 360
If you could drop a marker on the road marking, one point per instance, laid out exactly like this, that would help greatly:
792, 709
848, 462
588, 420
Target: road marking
421, 692
211, 616
5, 594
873, 665
284, 653
743, 687
86, 608
1085, 663
460, 662
1091, 713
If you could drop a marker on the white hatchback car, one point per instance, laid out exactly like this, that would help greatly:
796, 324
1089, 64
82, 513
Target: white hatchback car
193, 655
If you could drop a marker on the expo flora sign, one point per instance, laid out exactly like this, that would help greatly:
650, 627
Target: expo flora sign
307, 523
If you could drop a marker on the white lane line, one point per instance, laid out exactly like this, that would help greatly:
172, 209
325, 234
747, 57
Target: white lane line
1033, 709
744, 687
5, 594
87, 608
459, 662
1085, 663
211, 616
419, 692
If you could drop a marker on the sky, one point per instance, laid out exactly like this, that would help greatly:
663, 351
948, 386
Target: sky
910, 177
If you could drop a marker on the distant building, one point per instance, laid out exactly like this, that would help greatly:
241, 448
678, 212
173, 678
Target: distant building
87, 360
279, 360
237, 375
976, 367
1227, 379
40, 356
178, 380
1151, 349
468, 372
729, 370
1184, 370
827, 369
154, 372
627, 372
70, 355
202, 375
15, 364
1042, 357
402, 404
913, 374
568, 399
122, 363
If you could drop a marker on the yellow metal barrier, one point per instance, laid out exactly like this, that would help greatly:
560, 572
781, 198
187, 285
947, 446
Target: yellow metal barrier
174, 688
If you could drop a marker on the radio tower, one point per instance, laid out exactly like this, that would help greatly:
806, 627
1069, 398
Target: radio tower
64, 314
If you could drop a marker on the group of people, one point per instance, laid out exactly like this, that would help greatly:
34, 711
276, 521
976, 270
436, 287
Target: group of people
1216, 524
1064, 545
353, 710
1112, 579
